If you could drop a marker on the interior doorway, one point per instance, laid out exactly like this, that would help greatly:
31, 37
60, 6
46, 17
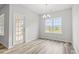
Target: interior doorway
19, 29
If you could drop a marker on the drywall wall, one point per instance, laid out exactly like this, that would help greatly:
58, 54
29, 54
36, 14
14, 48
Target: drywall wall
31, 23
66, 27
75, 23
4, 39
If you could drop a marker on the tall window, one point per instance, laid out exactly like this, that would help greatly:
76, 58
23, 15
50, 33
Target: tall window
2, 24
53, 25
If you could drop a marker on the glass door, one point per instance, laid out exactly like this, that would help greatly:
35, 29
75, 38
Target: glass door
19, 29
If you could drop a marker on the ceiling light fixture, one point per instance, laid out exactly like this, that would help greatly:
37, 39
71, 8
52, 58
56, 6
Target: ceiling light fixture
46, 15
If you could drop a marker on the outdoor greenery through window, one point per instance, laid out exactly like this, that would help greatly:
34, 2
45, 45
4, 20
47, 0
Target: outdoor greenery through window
53, 25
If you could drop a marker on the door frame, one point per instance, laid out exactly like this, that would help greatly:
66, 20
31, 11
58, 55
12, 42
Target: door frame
14, 28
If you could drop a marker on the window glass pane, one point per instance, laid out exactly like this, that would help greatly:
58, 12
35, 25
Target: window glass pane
2, 24
53, 25
48, 24
57, 24
19, 28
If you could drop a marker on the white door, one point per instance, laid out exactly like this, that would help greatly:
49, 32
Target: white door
19, 29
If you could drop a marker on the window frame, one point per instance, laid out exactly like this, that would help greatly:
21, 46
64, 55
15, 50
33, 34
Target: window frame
54, 26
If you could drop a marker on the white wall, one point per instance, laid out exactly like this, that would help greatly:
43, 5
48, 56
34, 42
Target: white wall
4, 39
31, 23
66, 26
31, 26
75, 23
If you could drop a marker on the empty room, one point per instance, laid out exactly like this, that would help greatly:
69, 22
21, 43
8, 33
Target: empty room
39, 28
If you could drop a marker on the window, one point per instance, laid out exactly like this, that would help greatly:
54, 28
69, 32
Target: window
57, 25
2, 24
53, 25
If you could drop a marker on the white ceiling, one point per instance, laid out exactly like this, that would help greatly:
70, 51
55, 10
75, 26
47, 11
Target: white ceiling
47, 8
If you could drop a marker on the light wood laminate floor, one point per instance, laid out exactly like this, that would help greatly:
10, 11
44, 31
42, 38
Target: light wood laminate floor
39, 46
